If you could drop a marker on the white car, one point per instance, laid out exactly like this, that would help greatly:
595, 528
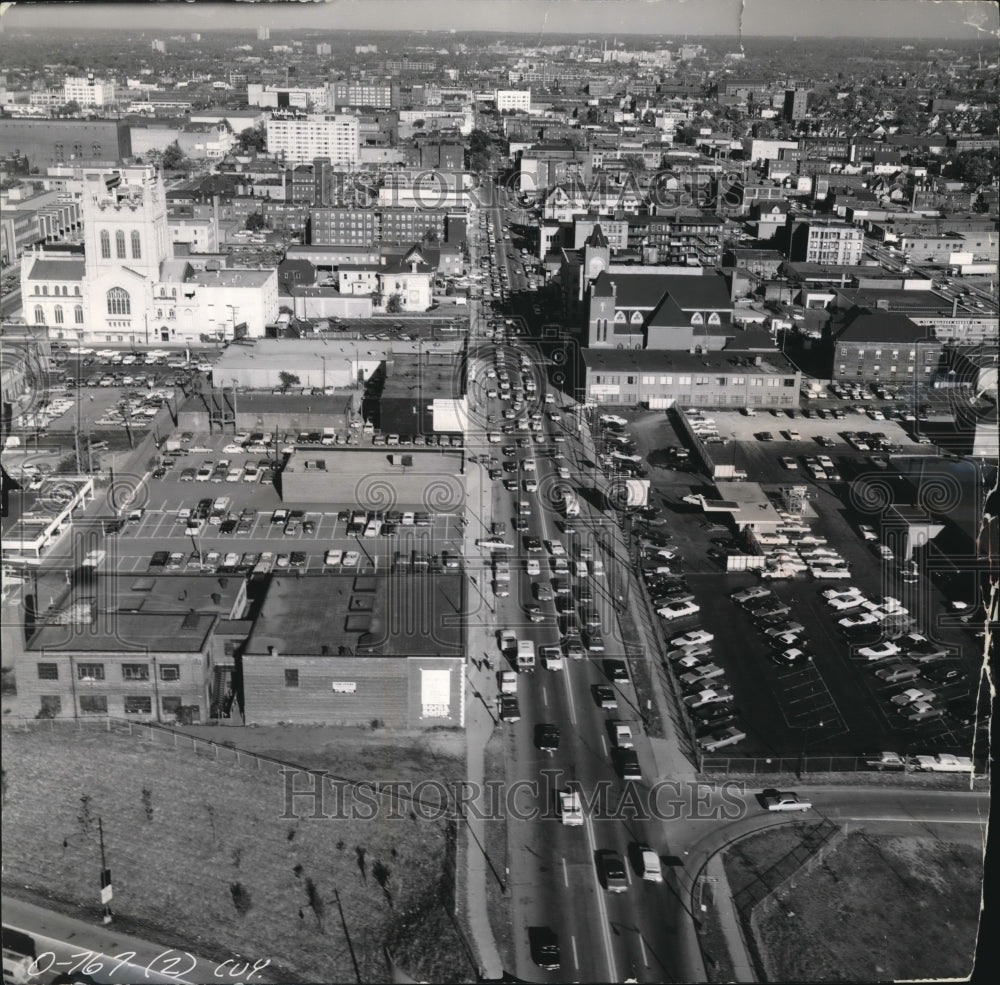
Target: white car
678, 610
727, 736
861, 619
689, 656
879, 651
555, 548
912, 695
532, 566
350, 559
749, 594
693, 638
867, 532
709, 696
775, 800
833, 593
333, 558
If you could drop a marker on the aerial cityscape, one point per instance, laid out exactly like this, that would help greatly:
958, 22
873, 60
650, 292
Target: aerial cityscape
498, 491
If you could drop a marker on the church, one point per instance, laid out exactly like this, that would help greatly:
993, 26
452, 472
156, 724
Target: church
127, 288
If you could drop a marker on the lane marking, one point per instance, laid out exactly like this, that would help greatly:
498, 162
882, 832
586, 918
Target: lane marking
565, 873
601, 904
545, 697
576, 957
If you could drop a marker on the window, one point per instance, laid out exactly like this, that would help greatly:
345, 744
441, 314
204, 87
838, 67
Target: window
58, 313
790, 380
291, 678
135, 672
171, 705
721, 380
170, 672
90, 672
120, 244
756, 381
105, 245
78, 314
701, 381
93, 704
48, 672
76, 290
738, 381
39, 315
772, 381
713, 319
136, 245
119, 302
45, 289
51, 706
138, 705
697, 319
684, 380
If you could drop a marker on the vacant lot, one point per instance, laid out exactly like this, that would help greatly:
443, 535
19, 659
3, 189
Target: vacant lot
878, 908
200, 853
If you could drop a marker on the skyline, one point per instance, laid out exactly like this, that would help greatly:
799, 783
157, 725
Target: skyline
963, 20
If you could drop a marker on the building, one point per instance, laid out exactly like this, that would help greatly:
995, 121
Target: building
89, 91
309, 99
323, 48
691, 238
127, 288
877, 346
825, 242
155, 648
301, 140
29, 218
517, 100
263, 34
795, 106
631, 308
361, 93
86, 143
423, 393
728, 378
350, 649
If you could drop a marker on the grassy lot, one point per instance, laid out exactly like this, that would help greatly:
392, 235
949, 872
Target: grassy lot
200, 854
878, 908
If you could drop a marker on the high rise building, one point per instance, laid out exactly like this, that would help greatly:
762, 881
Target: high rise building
263, 34
89, 91
300, 140
796, 105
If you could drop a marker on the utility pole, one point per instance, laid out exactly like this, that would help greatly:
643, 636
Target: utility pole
107, 891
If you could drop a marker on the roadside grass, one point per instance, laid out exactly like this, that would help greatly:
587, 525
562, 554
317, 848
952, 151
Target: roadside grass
200, 853
877, 908
497, 904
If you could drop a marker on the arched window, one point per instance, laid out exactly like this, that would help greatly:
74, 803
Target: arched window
105, 245
636, 318
39, 315
713, 319
76, 290
119, 303
696, 319
120, 244
58, 314
620, 316
78, 314
136, 245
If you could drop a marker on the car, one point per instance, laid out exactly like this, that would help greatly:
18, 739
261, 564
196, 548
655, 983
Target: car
532, 545
616, 670
547, 737
605, 696
710, 717
777, 800
555, 548
764, 436
280, 516
544, 943
707, 696
678, 610
899, 671
789, 463
860, 619
611, 871
884, 761
697, 678
509, 709
727, 736
944, 674
793, 655
297, 559
690, 657
843, 603
913, 695
879, 651
534, 612
695, 637
921, 711
332, 558
750, 594
350, 559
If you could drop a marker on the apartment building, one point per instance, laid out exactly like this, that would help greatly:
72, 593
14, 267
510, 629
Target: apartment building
518, 100
89, 91
824, 242
877, 346
301, 140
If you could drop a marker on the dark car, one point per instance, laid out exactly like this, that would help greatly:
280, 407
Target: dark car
510, 710
627, 764
712, 714
547, 737
544, 943
764, 436
228, 526
611, 870
159, 559
297, 559
617, 670
605, 696
943, 674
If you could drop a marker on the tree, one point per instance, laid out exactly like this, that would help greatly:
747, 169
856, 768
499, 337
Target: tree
71, 108
288, 379
173, 158
633, 162
395, 304
252, 139
255, 221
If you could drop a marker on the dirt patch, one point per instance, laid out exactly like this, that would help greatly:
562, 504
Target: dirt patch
875, 908
202, 853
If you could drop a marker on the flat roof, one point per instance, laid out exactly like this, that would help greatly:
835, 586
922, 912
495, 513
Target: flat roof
663, 360
129, 632
390, 614
301, 352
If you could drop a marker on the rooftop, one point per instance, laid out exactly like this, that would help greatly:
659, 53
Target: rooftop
663, 360
384, 614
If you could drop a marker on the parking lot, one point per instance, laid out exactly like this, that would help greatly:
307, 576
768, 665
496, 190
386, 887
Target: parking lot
833, 704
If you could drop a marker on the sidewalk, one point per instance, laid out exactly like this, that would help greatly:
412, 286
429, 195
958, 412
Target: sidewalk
480, 698
729, 920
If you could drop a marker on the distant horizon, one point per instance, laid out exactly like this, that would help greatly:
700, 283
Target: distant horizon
876, 20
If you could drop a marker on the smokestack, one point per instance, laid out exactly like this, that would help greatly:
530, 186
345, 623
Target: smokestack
954, 307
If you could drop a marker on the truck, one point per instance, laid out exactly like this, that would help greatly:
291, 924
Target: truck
507, 680
525, 656
570, 808
778, 800
571, 505
508, 641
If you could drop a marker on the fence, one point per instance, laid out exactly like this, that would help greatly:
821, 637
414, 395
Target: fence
803, 766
